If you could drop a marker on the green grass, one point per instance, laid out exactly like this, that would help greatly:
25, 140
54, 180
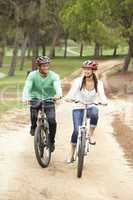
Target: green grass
8, 105
87, 51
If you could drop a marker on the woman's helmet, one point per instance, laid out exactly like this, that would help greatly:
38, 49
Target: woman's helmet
90, 64
42, 60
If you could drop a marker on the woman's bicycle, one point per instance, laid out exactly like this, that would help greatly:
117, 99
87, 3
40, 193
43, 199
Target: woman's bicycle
42, 144
83, 142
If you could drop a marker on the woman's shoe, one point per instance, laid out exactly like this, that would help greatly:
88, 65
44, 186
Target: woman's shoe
69, 161
92, 140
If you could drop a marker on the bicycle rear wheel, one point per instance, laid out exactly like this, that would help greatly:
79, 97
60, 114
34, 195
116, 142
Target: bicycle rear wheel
42, 146
81, 152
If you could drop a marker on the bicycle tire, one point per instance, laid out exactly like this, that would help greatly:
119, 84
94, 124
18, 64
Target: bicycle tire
37, 144
81, 152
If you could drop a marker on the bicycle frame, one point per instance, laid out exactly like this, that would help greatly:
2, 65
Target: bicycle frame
42, 115
83, 126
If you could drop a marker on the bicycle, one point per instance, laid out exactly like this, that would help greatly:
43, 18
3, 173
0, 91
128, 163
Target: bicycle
83, 142
42, 144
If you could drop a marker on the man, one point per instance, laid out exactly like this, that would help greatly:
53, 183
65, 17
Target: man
42, 84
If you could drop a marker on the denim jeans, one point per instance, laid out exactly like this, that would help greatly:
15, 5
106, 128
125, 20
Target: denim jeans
77, 115
50, 113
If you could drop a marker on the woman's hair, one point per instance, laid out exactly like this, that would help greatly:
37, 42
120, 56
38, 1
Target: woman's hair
94, 79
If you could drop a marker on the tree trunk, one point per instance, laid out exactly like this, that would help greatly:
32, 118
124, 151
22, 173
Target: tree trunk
34, 50
43, 49
23, 51
52, 50
131, 45
29, 52
81, 49
65, 50
34, 55
37, 51
12, 68
115, 51
52, 53
97, 50
127, 61
129, 56
2, 54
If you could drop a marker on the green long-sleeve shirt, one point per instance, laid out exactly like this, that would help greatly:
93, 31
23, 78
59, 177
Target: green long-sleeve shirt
40, 87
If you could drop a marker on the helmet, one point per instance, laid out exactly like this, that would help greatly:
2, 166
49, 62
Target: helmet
90, 64
42, 60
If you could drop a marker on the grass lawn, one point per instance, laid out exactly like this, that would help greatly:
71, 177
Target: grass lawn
89, 50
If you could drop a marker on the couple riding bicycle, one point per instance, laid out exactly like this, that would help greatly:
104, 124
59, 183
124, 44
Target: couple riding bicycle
44, 83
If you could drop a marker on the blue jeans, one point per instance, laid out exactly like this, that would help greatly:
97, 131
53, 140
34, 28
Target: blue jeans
78, 114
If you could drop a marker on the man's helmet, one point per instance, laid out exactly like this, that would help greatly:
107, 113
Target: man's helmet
90, 64
42, 60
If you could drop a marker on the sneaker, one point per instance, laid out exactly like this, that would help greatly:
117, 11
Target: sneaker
32, 132
69, 161
92, 140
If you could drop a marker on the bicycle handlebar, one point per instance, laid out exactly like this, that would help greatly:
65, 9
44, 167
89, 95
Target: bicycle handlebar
86, 104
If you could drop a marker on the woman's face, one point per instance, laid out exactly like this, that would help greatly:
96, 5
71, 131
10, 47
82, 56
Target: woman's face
87, 71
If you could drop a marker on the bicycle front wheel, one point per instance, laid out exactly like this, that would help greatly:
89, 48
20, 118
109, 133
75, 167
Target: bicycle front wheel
42, 146
80, 153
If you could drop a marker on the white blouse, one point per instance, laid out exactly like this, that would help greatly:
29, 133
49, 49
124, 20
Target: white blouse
86, 96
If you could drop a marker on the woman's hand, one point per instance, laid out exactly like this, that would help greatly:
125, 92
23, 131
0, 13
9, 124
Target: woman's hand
68, 100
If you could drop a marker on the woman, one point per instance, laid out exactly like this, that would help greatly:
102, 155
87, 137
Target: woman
86, 89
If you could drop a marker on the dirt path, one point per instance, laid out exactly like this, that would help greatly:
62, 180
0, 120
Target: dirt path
106, 173
106, 176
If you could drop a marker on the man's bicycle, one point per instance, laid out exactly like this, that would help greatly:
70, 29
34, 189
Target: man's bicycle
42, 144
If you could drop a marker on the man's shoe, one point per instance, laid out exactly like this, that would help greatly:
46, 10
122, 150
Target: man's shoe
32, 132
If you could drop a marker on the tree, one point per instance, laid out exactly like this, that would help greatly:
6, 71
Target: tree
52, 19
122, 15
5, 26
85, 21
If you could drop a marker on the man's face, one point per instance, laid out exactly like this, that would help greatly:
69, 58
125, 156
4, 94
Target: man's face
44, 68
87, 71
